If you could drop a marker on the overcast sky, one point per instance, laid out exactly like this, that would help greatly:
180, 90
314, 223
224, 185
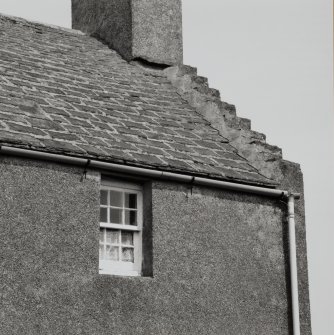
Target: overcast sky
273, 59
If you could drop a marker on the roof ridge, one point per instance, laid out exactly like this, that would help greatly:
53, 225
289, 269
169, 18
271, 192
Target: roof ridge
21, 20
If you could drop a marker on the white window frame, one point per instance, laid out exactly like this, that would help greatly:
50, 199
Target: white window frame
119, 268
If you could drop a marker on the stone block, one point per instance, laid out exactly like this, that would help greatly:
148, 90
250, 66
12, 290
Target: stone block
148, 30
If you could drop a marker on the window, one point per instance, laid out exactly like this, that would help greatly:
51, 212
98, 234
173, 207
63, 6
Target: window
121, 224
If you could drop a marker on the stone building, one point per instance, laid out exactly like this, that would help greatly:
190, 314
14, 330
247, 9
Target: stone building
133, 199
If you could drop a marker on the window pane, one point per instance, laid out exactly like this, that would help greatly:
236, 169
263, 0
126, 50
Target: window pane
131, 218
112, 253
101, 252
116, 199
102, 235
103, 197
103, 214
127, 255
127, 237
115, 216
130, 200
113, 236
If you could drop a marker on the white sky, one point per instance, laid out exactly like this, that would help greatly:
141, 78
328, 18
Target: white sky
273, 59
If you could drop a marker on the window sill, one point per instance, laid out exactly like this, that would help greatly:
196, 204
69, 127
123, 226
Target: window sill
120, 274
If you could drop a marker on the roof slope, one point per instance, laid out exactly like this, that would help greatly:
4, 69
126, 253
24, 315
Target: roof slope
64, 92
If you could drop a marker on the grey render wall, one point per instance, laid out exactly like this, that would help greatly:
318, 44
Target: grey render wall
219, 261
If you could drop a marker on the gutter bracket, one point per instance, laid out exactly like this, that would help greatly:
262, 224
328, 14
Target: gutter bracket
84, 174
192, 185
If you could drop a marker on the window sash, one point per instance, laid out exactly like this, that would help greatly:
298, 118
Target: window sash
119, 226
124, 209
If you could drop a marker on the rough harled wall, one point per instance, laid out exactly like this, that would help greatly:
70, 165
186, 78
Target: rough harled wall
157, 31
150, 30
219, 260
109, 20
251, 145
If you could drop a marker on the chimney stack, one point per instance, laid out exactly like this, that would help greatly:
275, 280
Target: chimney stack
146, 30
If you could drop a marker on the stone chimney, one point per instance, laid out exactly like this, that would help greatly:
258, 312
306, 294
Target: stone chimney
145, 30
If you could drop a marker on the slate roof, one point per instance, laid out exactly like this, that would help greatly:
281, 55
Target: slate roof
64, 92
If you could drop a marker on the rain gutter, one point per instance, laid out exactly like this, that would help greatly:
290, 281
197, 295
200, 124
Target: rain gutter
5, 150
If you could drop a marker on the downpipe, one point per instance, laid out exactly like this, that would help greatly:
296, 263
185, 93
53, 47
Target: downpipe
293, 263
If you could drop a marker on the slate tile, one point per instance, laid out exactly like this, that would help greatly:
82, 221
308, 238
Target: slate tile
91, 102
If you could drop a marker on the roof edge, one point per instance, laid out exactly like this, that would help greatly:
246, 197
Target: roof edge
126, 168
21, 20
222, 116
